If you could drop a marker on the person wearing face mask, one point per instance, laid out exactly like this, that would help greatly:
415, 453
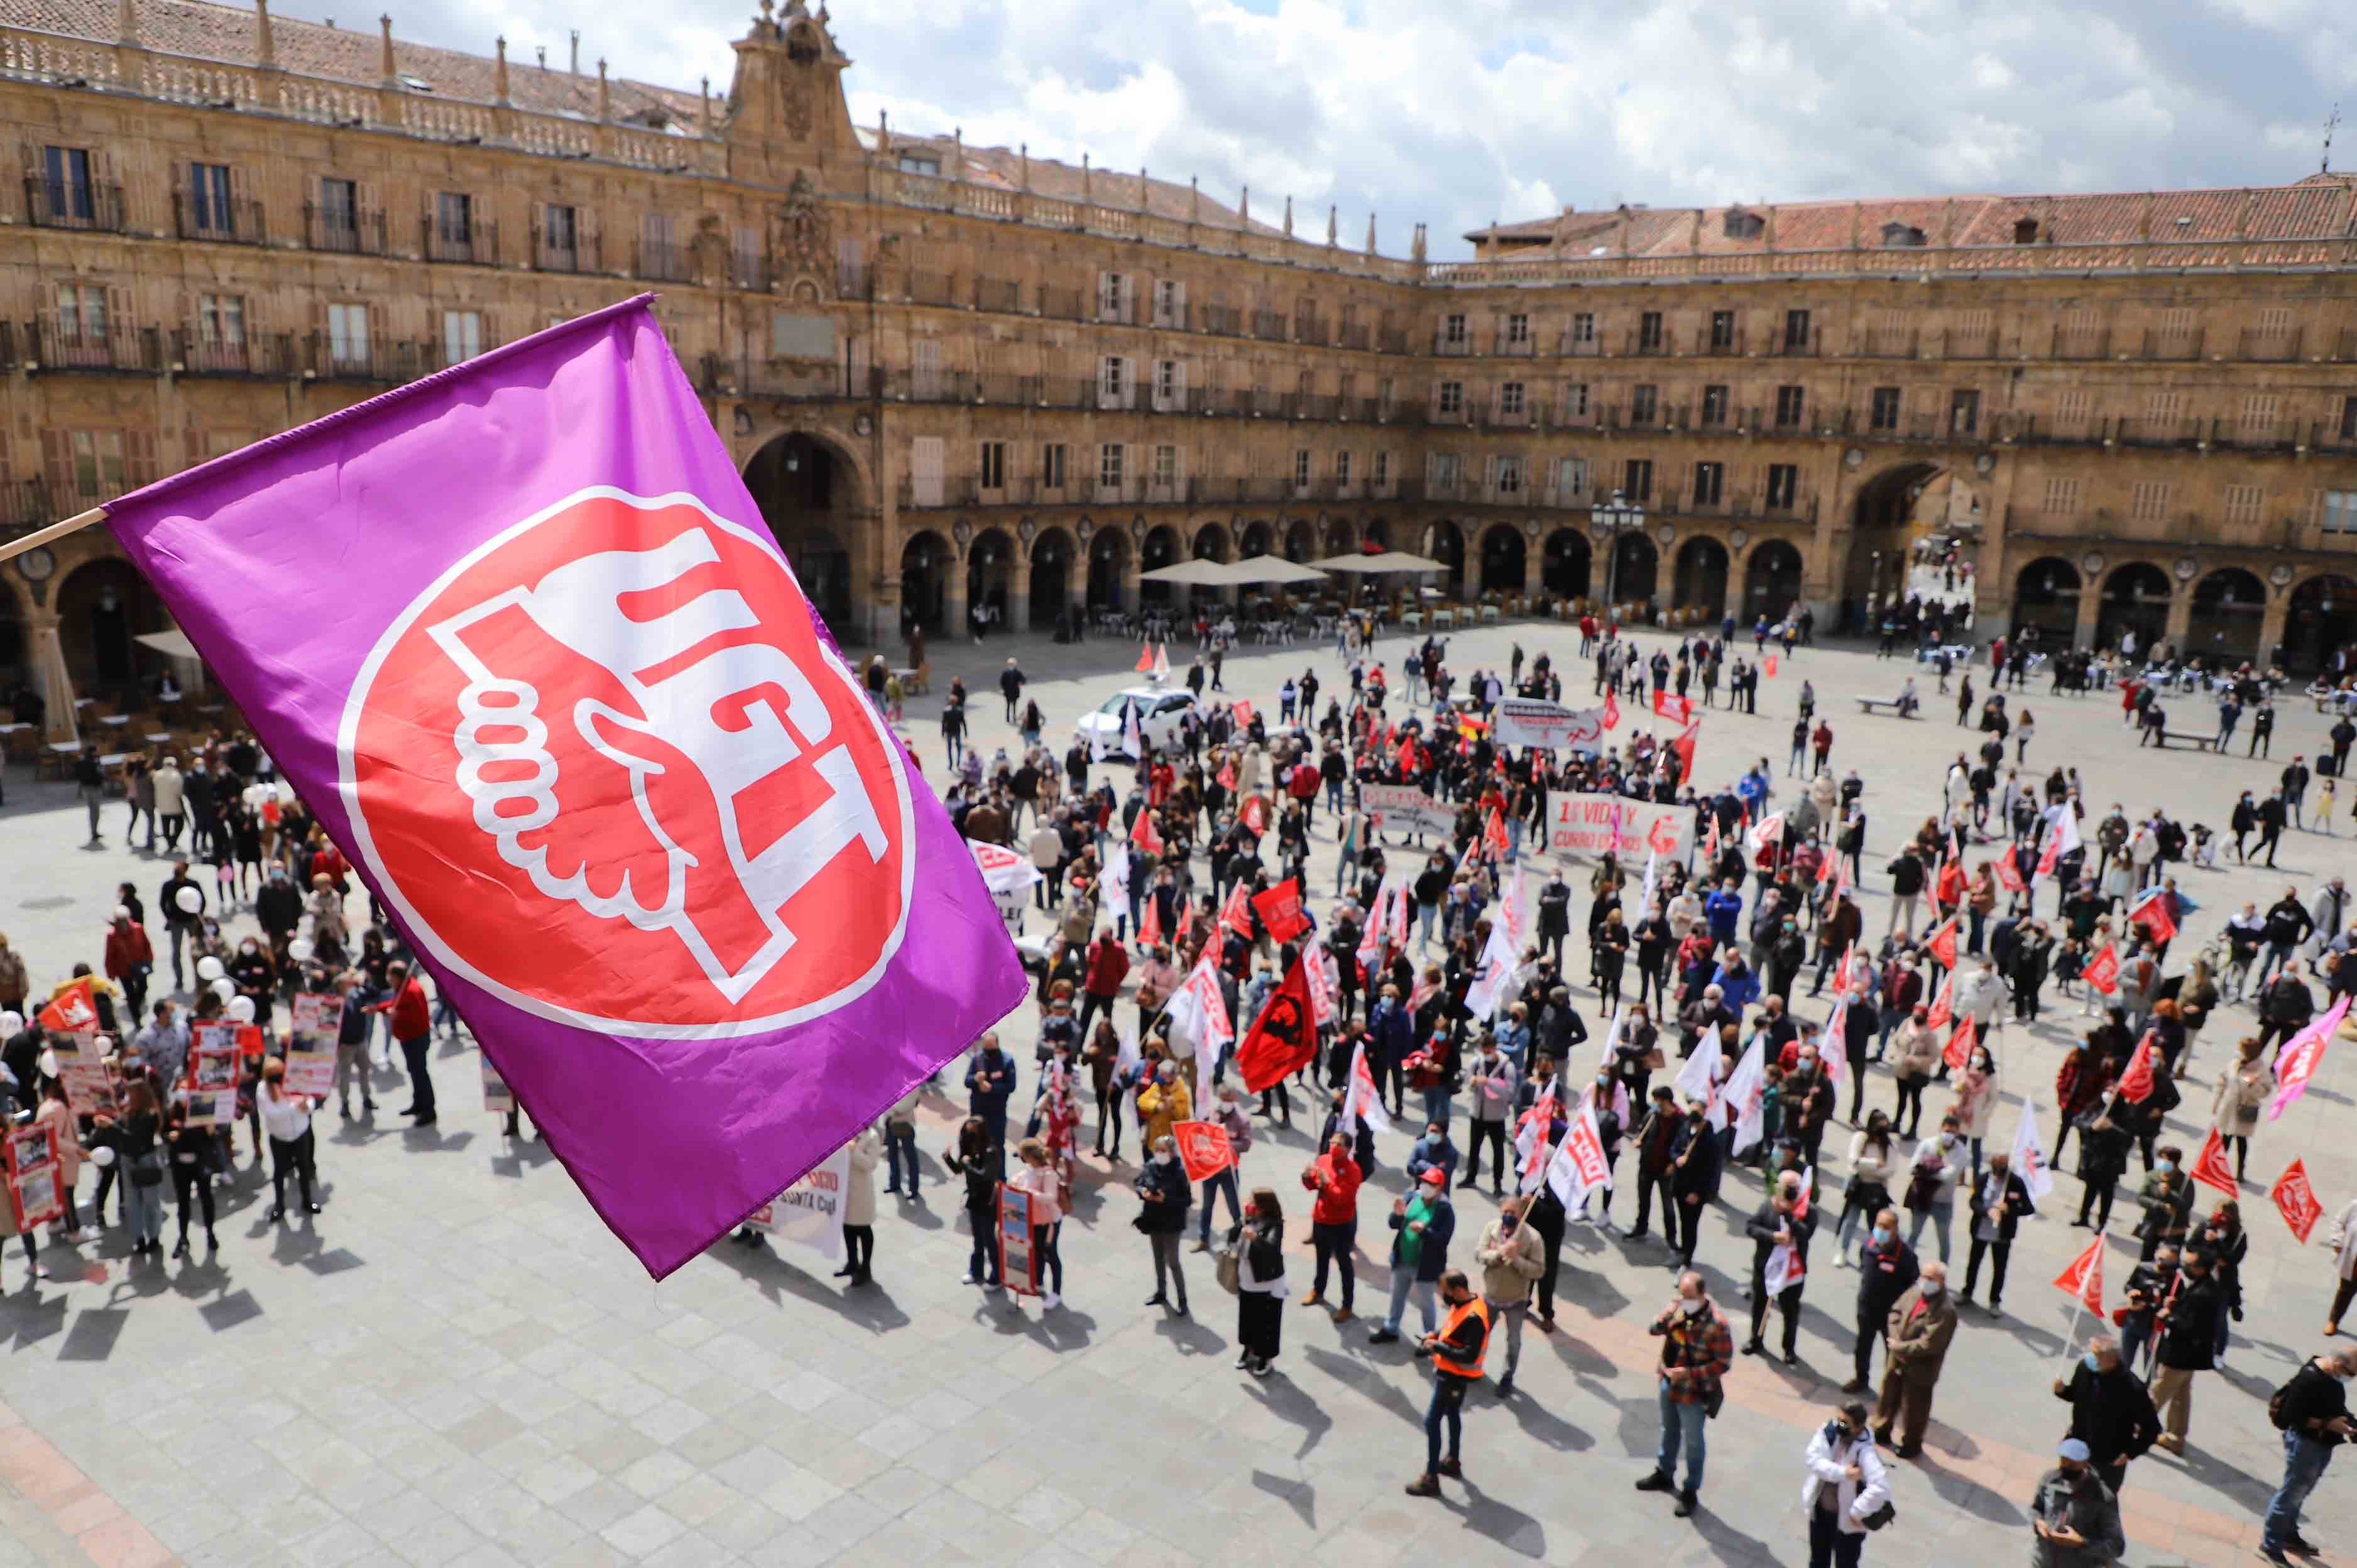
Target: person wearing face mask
1334, 1176
1163, 1189
1697, 1348
1914, 1057
2312, 1410
2185, 1336
1782, 1221
2167, 1197
1491, 1082
1999, 1200
1511, 1257
1931, 1175
1921, 1323
1694, 1167
1229, 1117
1433, 1152
1456, 1349
2074, 1518
1845, 1486
1886, 1268
1421, 1226
1976, 1105
2111, 1410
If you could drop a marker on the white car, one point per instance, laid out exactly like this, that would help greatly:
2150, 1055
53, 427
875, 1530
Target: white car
1160, 712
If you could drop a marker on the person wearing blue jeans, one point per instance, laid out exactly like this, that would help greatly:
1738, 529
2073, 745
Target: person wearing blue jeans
1696, 1348
1223, 1180
1421, 1226
2316, 1406
900, 1145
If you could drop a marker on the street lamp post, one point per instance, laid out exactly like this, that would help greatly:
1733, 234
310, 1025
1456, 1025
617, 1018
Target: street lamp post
1614, 515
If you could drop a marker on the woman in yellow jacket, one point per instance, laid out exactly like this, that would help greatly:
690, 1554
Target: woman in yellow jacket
1164, 1103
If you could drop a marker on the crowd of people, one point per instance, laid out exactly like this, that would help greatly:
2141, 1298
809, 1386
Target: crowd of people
1446, 982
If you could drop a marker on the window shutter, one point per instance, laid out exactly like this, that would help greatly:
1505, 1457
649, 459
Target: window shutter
1128, 306
57, 460
139, 456
1489, 476
855, 353
1128, 400
1497, 401
1178, 387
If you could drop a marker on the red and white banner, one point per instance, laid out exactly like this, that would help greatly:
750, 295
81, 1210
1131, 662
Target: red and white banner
1746, 1093
1551, 726
1579, 1167
1593, 823
2297, 1061
2152, 915
2008, 868
1404, 809
2062, 838
1280, 911
2212, 1168
1199, 1012
1255, 815
32, 1173
2136, 1082
809, 1213
2029, 1161
1959, 1048
1766, 834
1283, 1039
1670, 705
2103, 971
1531, 1133
71, 1009
1942, 944
2296, 1200
1320, 970
1942, 1002
1203, 1148
1362, 1101
1236, 913
2084, 1278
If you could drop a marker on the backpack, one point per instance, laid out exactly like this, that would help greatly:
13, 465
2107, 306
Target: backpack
2279, 1401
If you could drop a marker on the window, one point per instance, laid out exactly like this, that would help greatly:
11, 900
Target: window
747, 268
64, 178
1341, 468
462, 335
1109, 456
81, 313
1715, 401
1583, 327
1301, 470
559, 229
2349, 418
1443, 471
2341, 511
1575, 400
2061, 497
1790, 407
1644, 403
1112, 294
1166, 383
1784, 485
1637, 479
2274, 321
2165, 407
340, 211
1051, 465
1648, 332
1452, 330
2071, 410
2243, 503
1168, 303
1796, 329
1113, 379
348, 334
454, 217
98, 465
220, 321
993, 464
1709, 483
1570, 477
2148, 502
1510, 399
1722, 329
1964, 412
1884, 413
1452, 397
1383, 475
920, 163
209, 211
2260, 414
1518, 327
1165, 467
1510, 476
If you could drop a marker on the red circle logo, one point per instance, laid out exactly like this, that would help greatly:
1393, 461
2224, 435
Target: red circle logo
606, 767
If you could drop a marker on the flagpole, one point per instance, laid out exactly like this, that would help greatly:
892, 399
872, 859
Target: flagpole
42, 536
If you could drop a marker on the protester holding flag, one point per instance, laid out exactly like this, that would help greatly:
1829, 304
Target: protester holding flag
1512, 1258
2185, 1343
2000, 1198
2167, 1198
1164, 1192
1228, 1115
1780, 1231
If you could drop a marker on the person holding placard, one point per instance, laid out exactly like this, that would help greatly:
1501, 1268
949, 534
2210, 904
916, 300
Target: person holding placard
286, 1121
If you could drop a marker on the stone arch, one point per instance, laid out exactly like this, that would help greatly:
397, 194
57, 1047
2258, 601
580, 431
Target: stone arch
1698, 576
2046, 595
2319, 621
103, 607
16, 653
1445, 541
2229, 605
1340, 538
2137, 593
1301, 541
1504, 552
1212, 544
1053, 557
1772, 579
1885, 524
926, 560
1633, 567
811, 490
990, 575
1259, 539
1108, 561
1566, 564
1160, 549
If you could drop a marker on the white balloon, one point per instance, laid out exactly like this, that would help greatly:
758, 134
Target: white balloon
300, 950
48, 1064
210, 970
240, 1009
102, 1156
12, 1025
225, 988
188, 899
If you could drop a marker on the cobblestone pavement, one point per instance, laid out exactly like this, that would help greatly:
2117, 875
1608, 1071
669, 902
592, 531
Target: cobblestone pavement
456, 1363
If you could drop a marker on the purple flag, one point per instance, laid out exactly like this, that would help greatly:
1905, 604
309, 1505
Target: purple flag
521, 639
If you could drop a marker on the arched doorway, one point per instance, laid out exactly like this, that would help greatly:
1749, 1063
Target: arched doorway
1698, 581
1051, 577
990, 575
809, 496
1108, 548
1339, 541
1564, 567
1211, 544
16, 647
2046, 595
1301, 542
2228, 605
1772, 580
924, 583
1378, 532
2320, 623
1503, 555
103, 607
1885, 525
1634, 563
1161, 550
2135, 595
1445, 541
1259, 540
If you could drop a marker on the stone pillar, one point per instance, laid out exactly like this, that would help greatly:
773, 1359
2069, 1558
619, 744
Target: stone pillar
2090, 605
953, 621
2181, 612
1535, 560
2273, 622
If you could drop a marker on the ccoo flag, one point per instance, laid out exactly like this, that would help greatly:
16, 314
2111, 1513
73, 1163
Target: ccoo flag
570, 714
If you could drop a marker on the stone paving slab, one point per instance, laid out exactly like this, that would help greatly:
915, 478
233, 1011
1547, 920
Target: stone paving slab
457, 1364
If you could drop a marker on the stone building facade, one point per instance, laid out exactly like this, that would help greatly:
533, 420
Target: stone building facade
957, 375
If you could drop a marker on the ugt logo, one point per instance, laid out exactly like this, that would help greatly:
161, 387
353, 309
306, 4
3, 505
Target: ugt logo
609, 770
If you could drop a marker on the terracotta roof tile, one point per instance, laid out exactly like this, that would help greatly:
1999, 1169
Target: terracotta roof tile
1004, 167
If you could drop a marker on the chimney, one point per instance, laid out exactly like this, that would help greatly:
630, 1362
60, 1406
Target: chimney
604, 94
384, 62
265, 52
577, 51
499, 71
1142, 202
1288, 218
704, 116
1244, 208
1088, 187
1371, 233
1333, 216
1023, 166
884, 132
1194, 201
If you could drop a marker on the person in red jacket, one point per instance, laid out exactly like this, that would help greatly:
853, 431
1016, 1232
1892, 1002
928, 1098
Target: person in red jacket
411, 1024
130, 958
1108, 966
1334, 1176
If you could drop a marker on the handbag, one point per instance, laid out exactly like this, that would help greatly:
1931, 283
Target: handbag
1922, 1188
1228, 1262
1881, 1516
147, 1170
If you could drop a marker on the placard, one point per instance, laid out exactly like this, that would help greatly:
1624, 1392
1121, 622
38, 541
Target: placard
311, 1048
809, 1212
92, 1086
214, 1062
1593, 823
498, 1098
32, 1172
1017, 1267
1525, 720
1403, 808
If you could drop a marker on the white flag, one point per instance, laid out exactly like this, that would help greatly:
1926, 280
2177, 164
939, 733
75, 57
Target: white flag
1785, 1268
1116, 875
1652, 881
1746, 1089
1133, 740
1199, 1012
1612, 1036
1579, 1167
1361, 1101
1510, 912
1833, 1046
1321, 973
1161, 661
2029, 1162
1488, 989
1531, 1137
1766, 833
1697, 1081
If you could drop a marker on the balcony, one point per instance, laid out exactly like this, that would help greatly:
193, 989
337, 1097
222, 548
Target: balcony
1268, 325
1355, 336
1001, 295
1222, 322
328, 358
1511, 347
24, 507
2090, 344
343, 230
1895, 345
1391, 340
91, 206
789, 380
752, 271
1310, 330
235, 222
578, 254
475, 243
1580, 347
264, 354
659, 261
1724, 344
1650, 345
930, 289
1060, 304
2273, 347
2173, 344
1455, 348
113, 349
1964, 345
1800, 346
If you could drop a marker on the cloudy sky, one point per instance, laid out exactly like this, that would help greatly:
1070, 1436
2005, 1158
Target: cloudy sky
1458, 111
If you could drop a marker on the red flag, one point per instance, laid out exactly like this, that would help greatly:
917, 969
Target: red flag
1683, 744
1808, 1187
1670, 705
1959, 1048
1149, 929
2102, 970
2009, 872
1612, 710
1145, 665
1284, 1037
1243, 711
1228, 773
2296, 1200
1406, 756
1236, 913
1493, 833
1942, 944
2210, 1167
1280, 911
2300, 1057
2151, 915
1145, 835
2084, 1277
1942, 1002
70, 1009
2136, 1082
1768, 666
1948, 889
1256, 815
1203, 1148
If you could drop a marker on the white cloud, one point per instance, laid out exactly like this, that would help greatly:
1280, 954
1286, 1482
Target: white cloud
1457, 113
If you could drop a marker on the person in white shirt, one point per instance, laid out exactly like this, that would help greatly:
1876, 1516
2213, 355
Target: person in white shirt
286, 1121
1039, 1177
1846, 1486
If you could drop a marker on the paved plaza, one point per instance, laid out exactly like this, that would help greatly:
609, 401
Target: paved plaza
457, 1364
